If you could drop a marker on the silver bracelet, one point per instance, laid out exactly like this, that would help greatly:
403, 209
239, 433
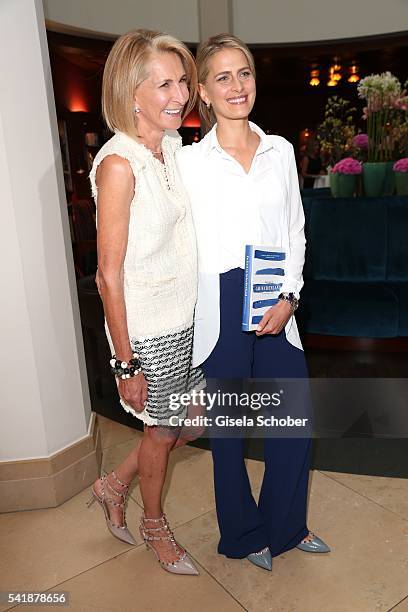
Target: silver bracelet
289, 297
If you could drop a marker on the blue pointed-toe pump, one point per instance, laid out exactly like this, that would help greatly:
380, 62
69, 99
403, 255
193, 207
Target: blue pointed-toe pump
314, 545
263, 559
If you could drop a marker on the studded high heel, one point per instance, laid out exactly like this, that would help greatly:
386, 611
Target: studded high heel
184, 564
119, 531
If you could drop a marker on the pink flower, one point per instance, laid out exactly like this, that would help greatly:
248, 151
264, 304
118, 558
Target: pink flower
348, 165
360, 141
401, 165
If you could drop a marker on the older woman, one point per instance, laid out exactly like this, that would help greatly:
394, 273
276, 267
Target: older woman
146, 269
243, 189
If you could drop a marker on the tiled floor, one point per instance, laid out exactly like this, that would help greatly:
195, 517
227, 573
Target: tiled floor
69, 549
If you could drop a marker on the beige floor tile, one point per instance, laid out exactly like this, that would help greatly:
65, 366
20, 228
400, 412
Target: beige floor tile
93, 517
114, 455
189, 490
114, 433
134, 582
402, 606
390, 493
366, 571
41, 548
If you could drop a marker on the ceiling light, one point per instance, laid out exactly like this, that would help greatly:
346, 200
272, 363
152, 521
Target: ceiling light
314, 78
354, 76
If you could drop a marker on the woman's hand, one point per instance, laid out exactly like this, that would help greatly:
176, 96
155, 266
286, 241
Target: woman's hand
133, 391
275, 319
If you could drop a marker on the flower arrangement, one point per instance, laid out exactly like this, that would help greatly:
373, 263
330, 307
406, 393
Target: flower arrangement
401, 165
337, 130
348, 165
400, 124
385, 102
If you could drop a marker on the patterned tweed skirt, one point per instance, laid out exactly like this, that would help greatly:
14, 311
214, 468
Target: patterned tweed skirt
166, 365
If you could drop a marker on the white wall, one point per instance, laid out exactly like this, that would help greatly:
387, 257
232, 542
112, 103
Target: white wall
282, 21
177, 17
255, 21
44, 400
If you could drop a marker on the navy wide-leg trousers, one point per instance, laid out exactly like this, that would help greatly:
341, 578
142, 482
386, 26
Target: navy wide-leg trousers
279, 520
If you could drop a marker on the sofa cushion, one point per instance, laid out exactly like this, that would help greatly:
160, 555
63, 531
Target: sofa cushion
347, 240
366, 310
397, 264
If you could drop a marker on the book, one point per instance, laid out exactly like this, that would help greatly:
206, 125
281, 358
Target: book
264, 269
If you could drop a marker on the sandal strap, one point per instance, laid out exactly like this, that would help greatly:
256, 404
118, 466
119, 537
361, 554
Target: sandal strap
107, 499
123, 484
167, 538
165, 528
114, 491
148, 535
162, 519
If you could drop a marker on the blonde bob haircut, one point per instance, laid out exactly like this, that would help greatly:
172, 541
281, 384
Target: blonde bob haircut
205, 52
127, 67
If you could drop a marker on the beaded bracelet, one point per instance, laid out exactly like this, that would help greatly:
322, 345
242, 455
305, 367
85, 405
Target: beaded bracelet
124, 369
289, 297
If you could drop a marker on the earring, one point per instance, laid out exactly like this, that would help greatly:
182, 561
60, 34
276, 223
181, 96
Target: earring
208, 105
136, 109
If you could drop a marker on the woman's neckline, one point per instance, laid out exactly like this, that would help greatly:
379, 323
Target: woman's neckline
144, 148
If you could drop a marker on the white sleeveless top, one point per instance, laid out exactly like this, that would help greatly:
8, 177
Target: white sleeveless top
160, 267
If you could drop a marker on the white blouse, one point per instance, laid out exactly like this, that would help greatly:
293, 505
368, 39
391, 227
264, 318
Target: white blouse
232, 208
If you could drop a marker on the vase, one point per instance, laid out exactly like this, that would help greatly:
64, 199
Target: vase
374, 178
347, 185
343, 185
389, 183
401, 183
334, 181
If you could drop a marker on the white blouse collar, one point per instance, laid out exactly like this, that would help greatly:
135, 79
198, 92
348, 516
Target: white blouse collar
210, 140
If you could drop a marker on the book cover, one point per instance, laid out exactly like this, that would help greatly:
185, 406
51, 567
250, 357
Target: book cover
263, 278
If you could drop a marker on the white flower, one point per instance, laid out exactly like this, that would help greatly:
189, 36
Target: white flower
380, 90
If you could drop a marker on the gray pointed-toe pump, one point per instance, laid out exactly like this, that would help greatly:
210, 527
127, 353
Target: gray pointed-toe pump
263, 559
314, 545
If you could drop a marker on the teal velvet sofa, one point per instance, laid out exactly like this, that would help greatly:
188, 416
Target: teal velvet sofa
356, 268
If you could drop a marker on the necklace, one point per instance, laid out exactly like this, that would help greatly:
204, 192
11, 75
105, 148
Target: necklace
157, 154
153, 151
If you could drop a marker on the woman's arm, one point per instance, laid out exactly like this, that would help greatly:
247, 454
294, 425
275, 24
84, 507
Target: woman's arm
293, 279
115, 182
275, 319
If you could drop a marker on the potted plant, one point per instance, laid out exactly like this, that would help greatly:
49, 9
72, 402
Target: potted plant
343, 179
382, 93
336, 131
401, 176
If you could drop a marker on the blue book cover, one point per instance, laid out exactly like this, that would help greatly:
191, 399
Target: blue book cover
263, 278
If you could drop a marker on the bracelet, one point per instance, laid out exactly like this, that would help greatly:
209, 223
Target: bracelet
124, 369
289, 297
